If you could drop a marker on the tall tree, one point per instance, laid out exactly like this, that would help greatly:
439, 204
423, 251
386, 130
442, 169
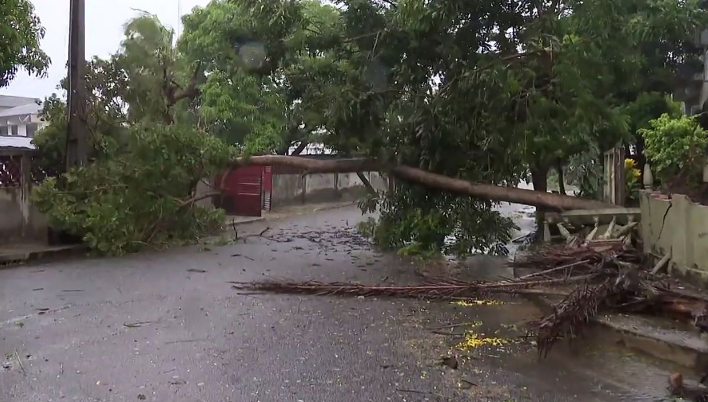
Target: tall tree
20, 34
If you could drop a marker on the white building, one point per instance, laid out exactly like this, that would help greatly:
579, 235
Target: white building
19, 120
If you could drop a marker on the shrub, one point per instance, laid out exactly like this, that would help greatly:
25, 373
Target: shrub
675, 146
140, 197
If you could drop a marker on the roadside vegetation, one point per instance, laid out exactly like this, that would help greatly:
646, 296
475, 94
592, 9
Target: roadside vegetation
470, 90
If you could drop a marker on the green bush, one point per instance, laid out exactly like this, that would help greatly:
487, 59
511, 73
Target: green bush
416, 227
675, 145
140, 197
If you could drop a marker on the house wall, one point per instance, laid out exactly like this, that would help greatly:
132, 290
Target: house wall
678, 226
20, 220
21, 126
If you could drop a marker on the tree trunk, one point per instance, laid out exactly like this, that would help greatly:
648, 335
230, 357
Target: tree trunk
367, 183
561, 179
539, 178
428, 179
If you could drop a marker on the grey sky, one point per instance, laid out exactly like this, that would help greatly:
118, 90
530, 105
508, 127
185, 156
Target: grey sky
104, 31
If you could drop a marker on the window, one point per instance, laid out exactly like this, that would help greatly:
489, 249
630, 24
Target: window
31, 129
14, 130
3, 130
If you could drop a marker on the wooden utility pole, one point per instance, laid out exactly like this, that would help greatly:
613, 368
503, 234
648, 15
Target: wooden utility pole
77, 130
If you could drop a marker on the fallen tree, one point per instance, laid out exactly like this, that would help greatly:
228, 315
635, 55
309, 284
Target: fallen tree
428, 179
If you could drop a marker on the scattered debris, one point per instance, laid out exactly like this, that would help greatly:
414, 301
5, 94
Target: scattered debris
587, 277
466, 384
473, 340
413, 391
468, 303
592, 277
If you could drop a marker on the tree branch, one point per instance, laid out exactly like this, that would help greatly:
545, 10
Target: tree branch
196, 198
367, 183
301, 147
176, 93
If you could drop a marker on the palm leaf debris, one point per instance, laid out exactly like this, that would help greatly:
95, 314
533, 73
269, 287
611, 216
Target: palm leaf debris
608, 278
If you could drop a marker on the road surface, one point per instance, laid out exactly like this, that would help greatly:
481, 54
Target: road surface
167, 326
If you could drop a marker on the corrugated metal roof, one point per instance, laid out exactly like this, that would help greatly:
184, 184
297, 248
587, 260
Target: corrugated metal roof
30, 108
7, 101
16, 142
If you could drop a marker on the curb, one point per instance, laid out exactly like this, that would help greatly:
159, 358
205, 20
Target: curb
684, 348
13, 259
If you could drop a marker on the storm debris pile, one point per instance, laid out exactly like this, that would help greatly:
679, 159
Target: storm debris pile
592, 278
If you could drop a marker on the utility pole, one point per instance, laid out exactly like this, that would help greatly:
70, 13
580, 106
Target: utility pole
77, 130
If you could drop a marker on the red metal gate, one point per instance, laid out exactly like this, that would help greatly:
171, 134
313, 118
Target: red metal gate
243, 191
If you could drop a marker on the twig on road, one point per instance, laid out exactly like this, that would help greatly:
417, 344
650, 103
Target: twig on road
137, 324
447, 333
187, 341
414, 391
241, 255
22, 367
459, 324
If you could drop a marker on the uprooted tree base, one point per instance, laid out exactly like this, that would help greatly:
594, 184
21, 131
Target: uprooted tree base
609, 278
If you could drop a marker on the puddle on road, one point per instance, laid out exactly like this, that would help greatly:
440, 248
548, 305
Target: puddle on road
593, 364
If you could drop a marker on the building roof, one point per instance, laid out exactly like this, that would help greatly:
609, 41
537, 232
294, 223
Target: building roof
18, 143
30, 108
7, 101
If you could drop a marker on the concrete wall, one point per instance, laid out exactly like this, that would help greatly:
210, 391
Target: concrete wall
19, 219
321, 187
290, 189
678, 226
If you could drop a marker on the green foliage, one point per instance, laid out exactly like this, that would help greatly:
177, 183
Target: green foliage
136, 198
238, 110
367, 228
20, 34
406, 223
676, 146
649, 106
247, 47
584, 171
467, 89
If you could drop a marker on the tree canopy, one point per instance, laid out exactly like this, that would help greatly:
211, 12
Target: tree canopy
20, 34
483, 91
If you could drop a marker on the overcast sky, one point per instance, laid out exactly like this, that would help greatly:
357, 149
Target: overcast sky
104, 32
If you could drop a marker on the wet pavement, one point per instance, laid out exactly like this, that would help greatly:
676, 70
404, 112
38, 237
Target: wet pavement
168, 327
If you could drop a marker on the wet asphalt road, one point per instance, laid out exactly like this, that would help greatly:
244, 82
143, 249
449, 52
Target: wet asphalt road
168, 326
